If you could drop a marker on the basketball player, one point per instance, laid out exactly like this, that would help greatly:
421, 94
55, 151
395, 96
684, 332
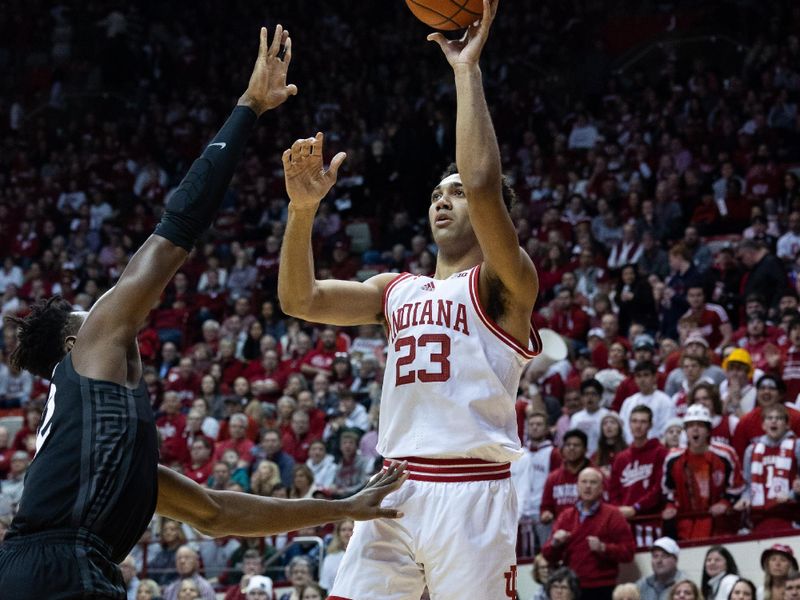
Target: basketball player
92, 488
457, 345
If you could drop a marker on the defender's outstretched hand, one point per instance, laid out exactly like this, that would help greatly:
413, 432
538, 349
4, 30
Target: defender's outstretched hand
468, 49
366, 504
307, 182
267, 88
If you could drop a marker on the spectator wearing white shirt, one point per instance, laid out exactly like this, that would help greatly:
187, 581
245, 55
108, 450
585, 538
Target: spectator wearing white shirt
583, 135
588, 420
789, 242
649, 396
322, 464
10, 274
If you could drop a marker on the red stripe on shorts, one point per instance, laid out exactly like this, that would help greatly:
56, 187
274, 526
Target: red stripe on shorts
454, 470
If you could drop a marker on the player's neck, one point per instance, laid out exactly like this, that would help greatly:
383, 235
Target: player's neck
450, 262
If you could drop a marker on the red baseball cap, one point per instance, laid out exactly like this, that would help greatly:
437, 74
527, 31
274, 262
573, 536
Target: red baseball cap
780, 549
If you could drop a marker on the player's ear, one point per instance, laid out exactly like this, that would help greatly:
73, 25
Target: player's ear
69, 342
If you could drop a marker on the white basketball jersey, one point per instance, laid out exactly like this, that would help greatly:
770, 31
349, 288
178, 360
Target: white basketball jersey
452, 374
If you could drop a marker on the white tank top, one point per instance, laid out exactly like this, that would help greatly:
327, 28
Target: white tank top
452, 374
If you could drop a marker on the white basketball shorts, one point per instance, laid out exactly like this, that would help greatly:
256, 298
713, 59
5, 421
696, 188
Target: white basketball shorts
457, 536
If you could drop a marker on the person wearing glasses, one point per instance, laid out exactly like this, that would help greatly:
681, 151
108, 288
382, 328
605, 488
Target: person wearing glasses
770, 473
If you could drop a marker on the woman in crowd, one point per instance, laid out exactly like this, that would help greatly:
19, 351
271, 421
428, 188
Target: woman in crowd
720, 573
610, 444
562, 585
541, 573
302, 483
634, 297
743, 589
148, 590
162, 566
626, 591
265, 478
776, 562
330, 565
313, 592
685, 590
188, 590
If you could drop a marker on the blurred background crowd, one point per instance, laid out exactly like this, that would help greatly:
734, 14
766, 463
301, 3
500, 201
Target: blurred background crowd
654, 148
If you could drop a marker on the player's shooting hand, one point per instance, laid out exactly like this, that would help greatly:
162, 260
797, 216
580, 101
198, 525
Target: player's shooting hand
366, 504
307, 181
467, 50
267, 88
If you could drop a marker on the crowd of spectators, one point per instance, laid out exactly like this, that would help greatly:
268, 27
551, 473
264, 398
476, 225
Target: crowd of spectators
659, 201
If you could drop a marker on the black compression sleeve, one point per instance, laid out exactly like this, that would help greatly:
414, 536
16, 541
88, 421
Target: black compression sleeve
192, 207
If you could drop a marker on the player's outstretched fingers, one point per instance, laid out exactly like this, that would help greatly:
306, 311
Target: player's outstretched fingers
287, 159
438, 38
333, 170
275, 46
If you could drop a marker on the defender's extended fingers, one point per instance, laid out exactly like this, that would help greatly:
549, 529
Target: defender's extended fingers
275, 46
287, 51
389, 513
286, 158
262, 43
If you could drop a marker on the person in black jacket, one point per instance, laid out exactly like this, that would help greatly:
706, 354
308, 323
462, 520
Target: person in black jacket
765, 275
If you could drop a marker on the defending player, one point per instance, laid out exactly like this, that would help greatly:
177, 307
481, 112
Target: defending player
457, 345
92, 488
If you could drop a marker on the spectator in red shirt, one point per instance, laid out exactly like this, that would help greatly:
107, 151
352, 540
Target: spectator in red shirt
306, 403
231, 366
297, 438
171, 424
635, 482
770, 390
184, 381
569, 319
267, 377
237, 429
320, 361
201, 463
711, 319
770, 471
33, 415
592, 538
561, 487
701, 481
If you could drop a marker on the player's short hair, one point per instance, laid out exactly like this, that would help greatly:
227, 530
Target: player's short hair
509, 195
41, 336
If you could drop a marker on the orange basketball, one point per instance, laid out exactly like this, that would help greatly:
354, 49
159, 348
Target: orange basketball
447, 14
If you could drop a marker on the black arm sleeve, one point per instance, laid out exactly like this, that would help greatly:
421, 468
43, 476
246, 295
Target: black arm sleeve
192, 207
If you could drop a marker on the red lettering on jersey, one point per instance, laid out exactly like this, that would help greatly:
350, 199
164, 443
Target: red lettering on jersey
461, 319
511, 582
443, 312
426, 318
414, 318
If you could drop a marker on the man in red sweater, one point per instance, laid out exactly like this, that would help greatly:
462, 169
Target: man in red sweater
561, 487
592, 538
635, 483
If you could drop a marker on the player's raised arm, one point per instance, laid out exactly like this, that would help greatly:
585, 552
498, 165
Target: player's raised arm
219, 513
105, 337
478, 161
301, 294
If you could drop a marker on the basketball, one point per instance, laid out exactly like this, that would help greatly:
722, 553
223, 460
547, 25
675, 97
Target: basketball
447, 15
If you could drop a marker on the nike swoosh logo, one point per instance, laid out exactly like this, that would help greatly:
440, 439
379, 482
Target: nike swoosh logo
220, 144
